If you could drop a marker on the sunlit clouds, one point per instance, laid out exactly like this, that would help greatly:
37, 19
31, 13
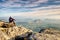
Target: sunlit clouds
30, 8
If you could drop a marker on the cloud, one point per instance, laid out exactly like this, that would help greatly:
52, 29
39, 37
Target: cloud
49, 9
30, 8
20, 3
28, 4
48, 13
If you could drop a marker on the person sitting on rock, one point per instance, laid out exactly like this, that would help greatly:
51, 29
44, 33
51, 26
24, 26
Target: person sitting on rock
11, 20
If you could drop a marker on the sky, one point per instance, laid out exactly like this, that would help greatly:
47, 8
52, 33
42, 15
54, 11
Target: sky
30, 8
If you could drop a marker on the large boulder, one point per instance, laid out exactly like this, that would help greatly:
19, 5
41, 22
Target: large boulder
48, 34
6, 24
8, 33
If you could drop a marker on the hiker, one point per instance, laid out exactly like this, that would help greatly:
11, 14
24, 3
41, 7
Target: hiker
11, 20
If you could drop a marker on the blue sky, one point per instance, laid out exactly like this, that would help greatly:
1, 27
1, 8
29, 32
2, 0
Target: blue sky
27, 6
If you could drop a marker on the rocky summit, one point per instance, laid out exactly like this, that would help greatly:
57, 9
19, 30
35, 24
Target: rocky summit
7, 33
21, 33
